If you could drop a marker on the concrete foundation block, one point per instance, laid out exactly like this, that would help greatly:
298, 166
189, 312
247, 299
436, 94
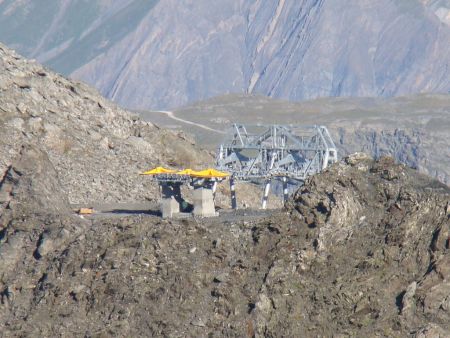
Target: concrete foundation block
169, 207
204, 203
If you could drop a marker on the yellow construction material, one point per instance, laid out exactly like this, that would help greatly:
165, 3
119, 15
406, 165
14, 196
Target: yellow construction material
86, 211
209, 173
158, 171
188, 172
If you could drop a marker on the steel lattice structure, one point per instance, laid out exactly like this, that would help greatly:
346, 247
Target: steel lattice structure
290, 151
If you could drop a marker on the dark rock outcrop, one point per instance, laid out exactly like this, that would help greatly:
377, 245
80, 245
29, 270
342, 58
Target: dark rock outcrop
381, 233
35, 222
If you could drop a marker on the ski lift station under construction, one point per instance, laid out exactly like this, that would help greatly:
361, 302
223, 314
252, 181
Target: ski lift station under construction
281, 155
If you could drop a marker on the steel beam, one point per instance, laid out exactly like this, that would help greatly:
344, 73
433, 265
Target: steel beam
292, 151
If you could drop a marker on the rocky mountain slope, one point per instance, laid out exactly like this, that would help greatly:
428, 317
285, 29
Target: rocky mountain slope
160, 54
362, 250
97, 148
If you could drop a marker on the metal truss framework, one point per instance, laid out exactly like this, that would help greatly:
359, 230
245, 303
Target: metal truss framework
265, 152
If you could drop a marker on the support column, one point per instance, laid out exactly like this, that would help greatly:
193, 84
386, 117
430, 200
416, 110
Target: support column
285, 190
171, 195
266, 194
325, 159
233, 193
204, 202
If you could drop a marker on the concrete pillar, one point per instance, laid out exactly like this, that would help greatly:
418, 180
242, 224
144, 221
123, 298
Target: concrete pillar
233, 193
169, 207
204, 202
266, 194
285, 190
170, 199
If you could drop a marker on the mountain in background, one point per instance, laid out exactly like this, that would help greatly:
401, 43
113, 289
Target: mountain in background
67, 34
162, 54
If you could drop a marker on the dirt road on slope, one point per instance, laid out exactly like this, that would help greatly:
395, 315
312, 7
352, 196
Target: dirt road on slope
199, 125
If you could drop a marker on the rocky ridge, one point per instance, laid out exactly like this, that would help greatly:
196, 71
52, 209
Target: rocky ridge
381, 233
362, 250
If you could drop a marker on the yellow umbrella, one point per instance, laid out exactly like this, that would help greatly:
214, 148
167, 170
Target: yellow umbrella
210, 173
158, 171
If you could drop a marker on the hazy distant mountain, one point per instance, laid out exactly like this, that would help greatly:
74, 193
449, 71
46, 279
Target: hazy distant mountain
160, 54
66, 34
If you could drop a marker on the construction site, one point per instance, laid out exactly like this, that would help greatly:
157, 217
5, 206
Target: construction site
282, 156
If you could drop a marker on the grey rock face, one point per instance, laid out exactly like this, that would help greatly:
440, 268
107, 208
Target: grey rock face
412, 209
33, 184
34, 210
169, 53
355, 48
441, 9
180, 52
285, 49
